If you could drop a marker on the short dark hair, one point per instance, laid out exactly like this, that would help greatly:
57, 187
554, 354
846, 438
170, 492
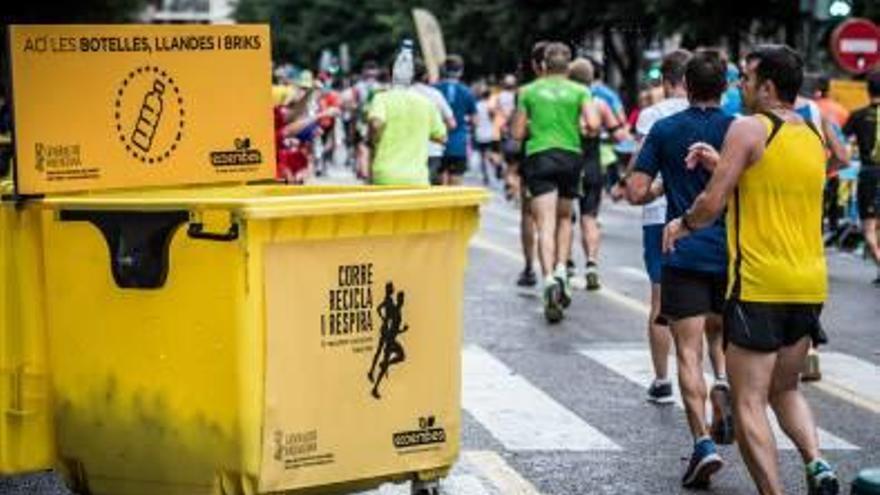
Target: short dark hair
557, 56
706, 75
874, 83
781, 65
673, 66
537, 54
453, 66
420, 70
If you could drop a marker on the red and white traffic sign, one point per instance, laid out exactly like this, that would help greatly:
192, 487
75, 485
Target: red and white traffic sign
855, 44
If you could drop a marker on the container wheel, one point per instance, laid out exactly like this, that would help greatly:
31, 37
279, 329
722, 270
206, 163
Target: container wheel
425, 487
74, 474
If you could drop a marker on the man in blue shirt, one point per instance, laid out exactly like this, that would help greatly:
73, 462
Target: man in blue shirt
464, 106
605, 93
693, 280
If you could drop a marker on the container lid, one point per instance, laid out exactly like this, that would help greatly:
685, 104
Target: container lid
129, 106
276, 201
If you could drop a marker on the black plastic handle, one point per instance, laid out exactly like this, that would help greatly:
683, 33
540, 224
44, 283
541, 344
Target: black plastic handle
196, 230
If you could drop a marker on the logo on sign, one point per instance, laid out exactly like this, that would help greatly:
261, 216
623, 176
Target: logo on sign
148, 114
243, 154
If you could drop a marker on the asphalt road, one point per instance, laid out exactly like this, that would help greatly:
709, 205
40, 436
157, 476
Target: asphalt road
560, 410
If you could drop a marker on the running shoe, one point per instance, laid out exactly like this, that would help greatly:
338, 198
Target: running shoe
553, 310
722, 414
821, 478
565, 286
592, 276
704, 462
527, 278
570, 269
660, 392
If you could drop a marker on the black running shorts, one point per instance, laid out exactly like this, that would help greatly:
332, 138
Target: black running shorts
455, 165
689, 293
591, 199
553, 170
868, 196
435, 164
768, 327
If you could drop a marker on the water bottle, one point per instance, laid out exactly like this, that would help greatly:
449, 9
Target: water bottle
402, 72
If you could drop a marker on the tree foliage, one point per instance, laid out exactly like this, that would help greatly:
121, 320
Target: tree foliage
494, 35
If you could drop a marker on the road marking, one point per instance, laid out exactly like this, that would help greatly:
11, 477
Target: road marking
845, 377
635, 366
519, 415
633, 272
480, 242
465, 484
493, 467
851, 379
507, 214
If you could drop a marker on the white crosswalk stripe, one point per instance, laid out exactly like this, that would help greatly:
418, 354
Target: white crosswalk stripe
519, 415
634, 364
851, 379
633, 272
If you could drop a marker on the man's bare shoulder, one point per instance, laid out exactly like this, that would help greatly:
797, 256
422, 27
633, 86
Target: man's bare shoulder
747, 130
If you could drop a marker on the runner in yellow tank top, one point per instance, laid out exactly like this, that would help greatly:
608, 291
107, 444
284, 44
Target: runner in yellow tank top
774, 220
769, 174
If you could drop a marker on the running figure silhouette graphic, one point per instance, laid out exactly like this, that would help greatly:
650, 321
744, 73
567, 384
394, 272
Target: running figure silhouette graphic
389, 347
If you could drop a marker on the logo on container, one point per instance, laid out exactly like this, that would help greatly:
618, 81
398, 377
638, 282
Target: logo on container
429, 433
148, 114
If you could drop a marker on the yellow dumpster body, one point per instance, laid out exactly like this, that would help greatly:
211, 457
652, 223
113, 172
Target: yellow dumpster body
254, 340
26, 441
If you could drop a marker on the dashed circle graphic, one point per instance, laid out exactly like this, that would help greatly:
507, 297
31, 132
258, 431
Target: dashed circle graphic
148, 114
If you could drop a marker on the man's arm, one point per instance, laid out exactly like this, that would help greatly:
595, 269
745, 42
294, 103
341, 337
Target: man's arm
376, 118
446, 112
743, 146
590, 118
643, 169
520, 125
641, 188
832, 141
610, 122
377, 126
438, 128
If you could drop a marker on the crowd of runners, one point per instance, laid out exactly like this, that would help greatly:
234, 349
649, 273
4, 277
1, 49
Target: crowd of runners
736, 169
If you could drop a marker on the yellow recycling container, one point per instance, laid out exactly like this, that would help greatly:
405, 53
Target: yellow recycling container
255, 340
26, 442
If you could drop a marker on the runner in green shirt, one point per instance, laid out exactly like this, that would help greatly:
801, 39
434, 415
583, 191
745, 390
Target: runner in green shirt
553, 105
552, 116
402, 122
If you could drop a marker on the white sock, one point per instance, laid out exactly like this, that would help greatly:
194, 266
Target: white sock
560, 270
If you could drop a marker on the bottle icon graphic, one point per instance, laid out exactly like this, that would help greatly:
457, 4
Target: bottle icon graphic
148, 118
